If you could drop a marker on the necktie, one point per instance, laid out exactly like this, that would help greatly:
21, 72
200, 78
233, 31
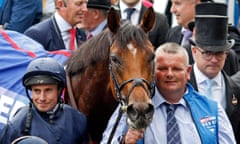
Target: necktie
72, 32
186, 35
129, 12
173, 134
208, 91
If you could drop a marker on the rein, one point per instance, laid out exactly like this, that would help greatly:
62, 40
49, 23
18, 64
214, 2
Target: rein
70, 91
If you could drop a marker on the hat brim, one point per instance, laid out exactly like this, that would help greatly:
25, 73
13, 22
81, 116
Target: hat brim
39, 80
214, 48
97, 6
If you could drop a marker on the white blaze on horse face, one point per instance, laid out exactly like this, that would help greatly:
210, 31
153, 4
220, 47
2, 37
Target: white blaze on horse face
132, 49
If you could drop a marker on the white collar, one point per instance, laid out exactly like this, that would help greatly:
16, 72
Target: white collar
62, 23
123, 6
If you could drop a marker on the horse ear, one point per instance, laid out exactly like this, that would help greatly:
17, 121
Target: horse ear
148, 20
113, 20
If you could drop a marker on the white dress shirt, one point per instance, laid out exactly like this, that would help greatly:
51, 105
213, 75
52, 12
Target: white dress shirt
64, 28
136, 14
99, 28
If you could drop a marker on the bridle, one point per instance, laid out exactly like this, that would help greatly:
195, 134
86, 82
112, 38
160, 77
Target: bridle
136, 82
124, 102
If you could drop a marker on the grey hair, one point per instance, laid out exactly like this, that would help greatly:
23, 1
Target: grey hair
171, 48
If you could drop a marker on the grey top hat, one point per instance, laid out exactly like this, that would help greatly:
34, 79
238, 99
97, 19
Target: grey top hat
99, 4
211, 25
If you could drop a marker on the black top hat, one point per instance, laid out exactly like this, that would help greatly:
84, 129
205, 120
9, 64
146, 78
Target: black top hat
211, 25
99, 4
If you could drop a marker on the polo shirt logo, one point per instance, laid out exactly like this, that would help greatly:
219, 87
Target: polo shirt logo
209, 122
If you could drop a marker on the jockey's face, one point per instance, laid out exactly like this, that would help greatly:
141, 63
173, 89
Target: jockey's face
45, 97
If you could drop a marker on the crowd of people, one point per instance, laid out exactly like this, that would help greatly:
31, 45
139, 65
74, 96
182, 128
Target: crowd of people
197, 72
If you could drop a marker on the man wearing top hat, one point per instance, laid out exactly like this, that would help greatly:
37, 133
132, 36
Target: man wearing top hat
95, 18
210, 48
184, 10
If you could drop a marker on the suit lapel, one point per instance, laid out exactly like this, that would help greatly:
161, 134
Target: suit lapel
56, 34
193, 79
175, 34
179, 35
229, 93
81, 36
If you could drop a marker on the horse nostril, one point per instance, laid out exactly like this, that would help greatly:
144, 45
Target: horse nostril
149, 111
132, 112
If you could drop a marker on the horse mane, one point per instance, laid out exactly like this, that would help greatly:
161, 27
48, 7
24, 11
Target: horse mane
96, 49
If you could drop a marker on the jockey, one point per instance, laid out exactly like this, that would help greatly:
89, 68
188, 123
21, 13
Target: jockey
46, 116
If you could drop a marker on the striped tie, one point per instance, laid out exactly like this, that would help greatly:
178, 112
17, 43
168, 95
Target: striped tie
173, 134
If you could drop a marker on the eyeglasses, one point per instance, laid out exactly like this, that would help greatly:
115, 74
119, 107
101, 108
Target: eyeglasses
208, 55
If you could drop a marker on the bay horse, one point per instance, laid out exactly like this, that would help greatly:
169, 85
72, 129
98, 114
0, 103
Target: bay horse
114, 67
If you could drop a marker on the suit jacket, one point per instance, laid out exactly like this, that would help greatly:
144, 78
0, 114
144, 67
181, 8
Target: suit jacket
48, 34
232, 96
236, 114
175, 34
18, 15
160, 29
231, 64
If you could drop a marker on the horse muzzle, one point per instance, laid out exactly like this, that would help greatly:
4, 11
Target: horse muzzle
140, 115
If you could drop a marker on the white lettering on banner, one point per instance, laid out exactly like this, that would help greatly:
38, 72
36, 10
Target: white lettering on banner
10, 102
5, 105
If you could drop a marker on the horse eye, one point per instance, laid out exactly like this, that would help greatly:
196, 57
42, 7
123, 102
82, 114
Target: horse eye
151, 58
115, 60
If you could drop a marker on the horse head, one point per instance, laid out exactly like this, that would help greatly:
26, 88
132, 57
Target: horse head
115, 65
131, 66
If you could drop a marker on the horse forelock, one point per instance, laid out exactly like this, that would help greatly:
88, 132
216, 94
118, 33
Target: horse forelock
129, 33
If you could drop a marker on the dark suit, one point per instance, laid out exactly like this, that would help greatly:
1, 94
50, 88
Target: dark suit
48, 34
18, 15
175, 34
236, 114
158, 33
232, 93
231, 64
